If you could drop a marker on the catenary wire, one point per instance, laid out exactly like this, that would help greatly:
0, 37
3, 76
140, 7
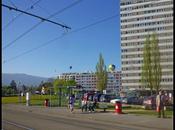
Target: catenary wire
20, 14
46, 11
34, 15
51, 41
36, 25
12, 3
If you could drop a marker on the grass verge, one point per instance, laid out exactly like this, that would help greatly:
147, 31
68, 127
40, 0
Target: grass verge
168, 113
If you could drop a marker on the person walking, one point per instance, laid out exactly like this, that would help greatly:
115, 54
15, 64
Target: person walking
71, 103
94, 105
160, 103
89, 105
166, 101
83, 104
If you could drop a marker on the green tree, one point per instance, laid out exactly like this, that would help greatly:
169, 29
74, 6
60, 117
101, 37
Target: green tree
101, 74
7, 91
13, 86
151, 69
64, 84
58, 83
24, 88
155, 63
146, 66
70, 83
47, 86
40, 86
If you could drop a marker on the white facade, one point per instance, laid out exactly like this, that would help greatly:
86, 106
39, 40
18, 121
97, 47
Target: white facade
114, 82
138, 19
89, 81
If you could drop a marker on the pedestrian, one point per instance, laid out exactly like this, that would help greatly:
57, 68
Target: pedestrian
83, 104
94, 104
160, 103
71, 103
90, 106
166, 99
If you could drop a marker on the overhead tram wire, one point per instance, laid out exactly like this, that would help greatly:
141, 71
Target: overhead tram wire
12, 3
84, 26
93, 24
33, 27
39, 17
46, 11
23, 34
9, 23
33, 49
53, 40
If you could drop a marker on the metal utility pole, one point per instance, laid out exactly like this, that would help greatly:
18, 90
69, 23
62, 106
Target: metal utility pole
18, 89
50, 96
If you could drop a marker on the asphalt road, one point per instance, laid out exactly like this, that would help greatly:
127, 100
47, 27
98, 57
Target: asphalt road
14, 119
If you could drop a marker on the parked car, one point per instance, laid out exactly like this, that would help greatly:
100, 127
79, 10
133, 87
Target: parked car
97, 97
105, 98
37, 92
141, 99
122, 99
90, 97
133, 100
113, 101
150, 102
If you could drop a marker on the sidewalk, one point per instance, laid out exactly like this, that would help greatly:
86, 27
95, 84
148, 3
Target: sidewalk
110, 117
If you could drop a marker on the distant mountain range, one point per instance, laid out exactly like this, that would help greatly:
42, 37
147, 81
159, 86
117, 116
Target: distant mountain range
25, 79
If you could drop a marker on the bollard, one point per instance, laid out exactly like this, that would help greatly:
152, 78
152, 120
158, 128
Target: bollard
27, 99
46, 102
118, 107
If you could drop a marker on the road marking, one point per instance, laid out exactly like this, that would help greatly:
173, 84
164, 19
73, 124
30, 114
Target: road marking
18, 125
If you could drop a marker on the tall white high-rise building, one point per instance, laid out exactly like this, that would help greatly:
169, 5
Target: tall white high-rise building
138, 19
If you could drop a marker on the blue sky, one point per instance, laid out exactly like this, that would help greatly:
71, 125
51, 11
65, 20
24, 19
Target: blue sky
80, 49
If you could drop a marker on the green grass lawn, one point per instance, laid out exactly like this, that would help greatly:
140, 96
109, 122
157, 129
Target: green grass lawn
35, 100
168, 113
15, 99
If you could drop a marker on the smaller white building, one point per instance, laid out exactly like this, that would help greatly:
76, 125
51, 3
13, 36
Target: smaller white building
88, 80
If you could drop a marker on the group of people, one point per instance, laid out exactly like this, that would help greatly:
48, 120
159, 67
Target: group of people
161, 101
86, 105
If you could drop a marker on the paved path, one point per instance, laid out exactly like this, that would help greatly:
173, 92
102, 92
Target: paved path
145, 122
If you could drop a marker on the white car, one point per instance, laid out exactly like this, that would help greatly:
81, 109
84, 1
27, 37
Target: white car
123, 100
113, 101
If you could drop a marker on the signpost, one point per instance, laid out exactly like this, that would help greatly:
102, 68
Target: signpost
60, 93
